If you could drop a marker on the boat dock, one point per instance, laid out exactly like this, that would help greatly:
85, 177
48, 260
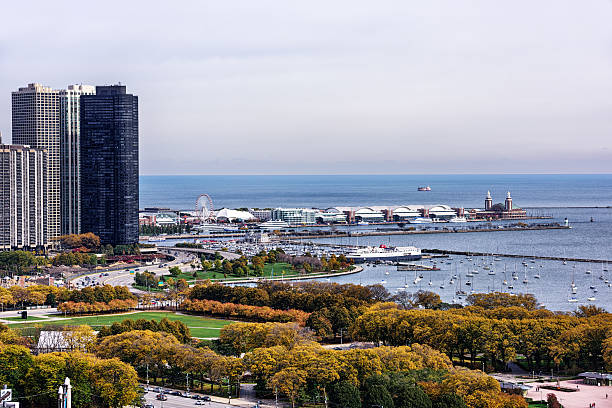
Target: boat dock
403, 266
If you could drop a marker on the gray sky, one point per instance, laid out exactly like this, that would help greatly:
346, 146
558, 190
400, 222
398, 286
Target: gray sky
283, 87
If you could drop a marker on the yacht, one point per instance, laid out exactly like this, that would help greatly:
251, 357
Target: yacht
273, 225
385, 253
424, 188
458, 219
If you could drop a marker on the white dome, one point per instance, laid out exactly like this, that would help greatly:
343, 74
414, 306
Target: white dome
232, 215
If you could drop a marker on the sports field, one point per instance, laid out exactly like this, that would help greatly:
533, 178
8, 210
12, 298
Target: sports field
200, 326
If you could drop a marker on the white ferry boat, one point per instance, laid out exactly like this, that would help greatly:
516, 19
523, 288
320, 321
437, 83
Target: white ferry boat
273, 225
421, 220
385, 253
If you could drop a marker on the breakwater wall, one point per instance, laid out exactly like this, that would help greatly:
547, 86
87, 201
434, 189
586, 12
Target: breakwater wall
550, 258
444, 230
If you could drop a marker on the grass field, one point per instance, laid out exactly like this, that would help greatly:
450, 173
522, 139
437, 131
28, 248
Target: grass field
270, 270
199, 326
19, 319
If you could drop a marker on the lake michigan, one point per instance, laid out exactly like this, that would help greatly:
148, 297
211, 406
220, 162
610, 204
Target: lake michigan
586, 200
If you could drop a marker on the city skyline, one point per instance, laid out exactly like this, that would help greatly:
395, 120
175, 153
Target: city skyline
437, 88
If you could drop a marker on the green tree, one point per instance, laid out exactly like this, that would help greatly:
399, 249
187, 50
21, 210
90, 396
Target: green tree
377, 395
15, 363
175, 271
344, 394
448, 401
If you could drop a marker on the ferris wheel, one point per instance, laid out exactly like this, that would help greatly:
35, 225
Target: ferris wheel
204, 208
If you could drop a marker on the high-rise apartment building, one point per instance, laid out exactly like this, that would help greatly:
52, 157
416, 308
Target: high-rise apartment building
70, 131
22, 197
109, 165
36, 123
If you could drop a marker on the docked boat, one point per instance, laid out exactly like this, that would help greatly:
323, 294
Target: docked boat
385, 253
458, 219
421, 220
156, 239
424, 188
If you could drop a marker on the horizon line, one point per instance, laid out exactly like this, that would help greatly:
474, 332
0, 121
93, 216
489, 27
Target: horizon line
377, 174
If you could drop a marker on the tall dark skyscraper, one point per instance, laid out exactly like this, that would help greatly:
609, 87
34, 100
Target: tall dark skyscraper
109, 165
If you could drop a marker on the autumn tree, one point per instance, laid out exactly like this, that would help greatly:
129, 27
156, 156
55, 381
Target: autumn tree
289, 381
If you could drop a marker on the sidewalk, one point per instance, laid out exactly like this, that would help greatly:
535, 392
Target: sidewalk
586, 395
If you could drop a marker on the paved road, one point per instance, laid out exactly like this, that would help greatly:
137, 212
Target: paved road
122, 277
248, 400
174, 401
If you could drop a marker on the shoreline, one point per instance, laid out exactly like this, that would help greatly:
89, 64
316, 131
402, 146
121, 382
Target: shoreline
338, 234
353, 270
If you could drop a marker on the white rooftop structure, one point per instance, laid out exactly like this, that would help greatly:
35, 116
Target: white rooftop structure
233, 215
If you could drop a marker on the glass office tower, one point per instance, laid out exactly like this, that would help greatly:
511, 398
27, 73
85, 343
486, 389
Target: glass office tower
109, 165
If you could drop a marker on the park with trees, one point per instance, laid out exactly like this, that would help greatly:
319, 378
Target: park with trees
417, 351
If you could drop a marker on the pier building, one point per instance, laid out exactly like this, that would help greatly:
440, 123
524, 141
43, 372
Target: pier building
505, 211
261, 215
295, 216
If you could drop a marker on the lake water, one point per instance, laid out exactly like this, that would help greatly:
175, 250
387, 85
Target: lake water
559, 196
181, 192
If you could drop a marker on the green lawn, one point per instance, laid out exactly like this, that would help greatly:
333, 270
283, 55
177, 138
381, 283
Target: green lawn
269, 270
199, 326
19, 319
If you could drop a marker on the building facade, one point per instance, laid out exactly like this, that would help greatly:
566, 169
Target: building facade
23, 197
36, 123
109, 165
505, 211
70, 133
295, 216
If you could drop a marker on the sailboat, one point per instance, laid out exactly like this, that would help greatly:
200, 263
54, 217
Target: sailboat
525, 280
417, 279
460, 292
505, 281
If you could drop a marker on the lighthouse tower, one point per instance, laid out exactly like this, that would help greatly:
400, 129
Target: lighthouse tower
488, 202
508, 203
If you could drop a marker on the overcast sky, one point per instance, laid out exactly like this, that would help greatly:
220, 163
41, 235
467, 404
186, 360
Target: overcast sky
284, 87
